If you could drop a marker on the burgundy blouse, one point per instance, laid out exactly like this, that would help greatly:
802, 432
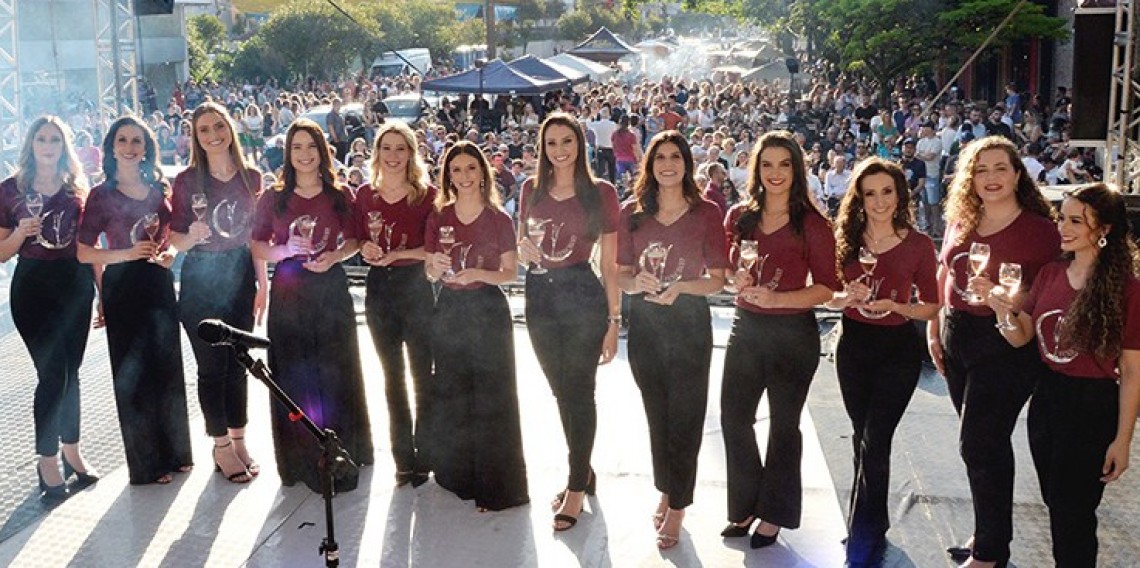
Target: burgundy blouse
110, 212
272, 227
566, 232
695, 240
229, 210
909, 264
479, 244
404, 224
60, 215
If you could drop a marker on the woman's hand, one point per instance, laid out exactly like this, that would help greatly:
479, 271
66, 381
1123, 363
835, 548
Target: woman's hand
142, 250
298, 246
741, 279
323, 262
371, 253
980, 285
199, 232
464, 277
29, 227
609, 344
1115, 461
646, 283
260, 302
667, 296
1000, 302
934, 345
98, 321
885, 305
760, 296
528, 252
165, 259
436, 264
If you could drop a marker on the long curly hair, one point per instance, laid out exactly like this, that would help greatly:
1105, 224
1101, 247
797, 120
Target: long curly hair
416, 171
200, 161
1094, 323
288, 183
800, 204
148, 168
585, 184
69, 168
646, 190
447, 192
852, 218
964, 207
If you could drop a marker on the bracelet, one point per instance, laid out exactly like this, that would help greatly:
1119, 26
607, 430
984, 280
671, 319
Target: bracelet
615, 320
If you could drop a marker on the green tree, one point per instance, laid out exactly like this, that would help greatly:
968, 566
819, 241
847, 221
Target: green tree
312, 39
970, 22
209, 30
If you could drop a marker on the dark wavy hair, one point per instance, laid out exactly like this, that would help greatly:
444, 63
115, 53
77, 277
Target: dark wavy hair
964, 207
585, 184
1094, 323
288, 183
447, 192
852, 218
148, 169
800, 204
645, 188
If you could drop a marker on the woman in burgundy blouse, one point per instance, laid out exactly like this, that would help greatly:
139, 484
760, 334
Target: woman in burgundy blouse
470, 247
774, 344
213, 208
992, 203
1085, 314
671, 255
881, 257
391, 214
572, 318
304, 225
132, 210
51, 291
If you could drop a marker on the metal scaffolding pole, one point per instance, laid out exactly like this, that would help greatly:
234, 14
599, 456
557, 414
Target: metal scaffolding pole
116, 57
11, 116
1122, 158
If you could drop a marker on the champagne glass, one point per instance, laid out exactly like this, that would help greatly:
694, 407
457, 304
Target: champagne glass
305, 225
375, 225
446, 243
536, 232
979, 258
35, 204
1009, 276
867, 261
653, 259
199, 203
749, 252
151, 224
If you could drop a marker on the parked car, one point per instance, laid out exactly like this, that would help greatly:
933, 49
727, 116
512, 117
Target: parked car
353, 118
408, 108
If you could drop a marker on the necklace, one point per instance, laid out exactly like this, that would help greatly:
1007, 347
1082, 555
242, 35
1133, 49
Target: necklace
875, 242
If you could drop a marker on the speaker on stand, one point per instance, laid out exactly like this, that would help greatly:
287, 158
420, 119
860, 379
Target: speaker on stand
153, 7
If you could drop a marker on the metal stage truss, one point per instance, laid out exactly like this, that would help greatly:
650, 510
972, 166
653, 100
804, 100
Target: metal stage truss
115, 58
1123, 141
11, 116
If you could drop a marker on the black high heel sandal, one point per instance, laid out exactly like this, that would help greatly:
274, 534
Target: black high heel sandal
83, 479
591, 490
51, 493
243, 476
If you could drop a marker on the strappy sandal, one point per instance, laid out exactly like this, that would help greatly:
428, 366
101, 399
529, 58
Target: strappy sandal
252, 467
242, 476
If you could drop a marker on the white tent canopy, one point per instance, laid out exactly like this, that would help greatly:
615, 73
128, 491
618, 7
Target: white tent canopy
596, 71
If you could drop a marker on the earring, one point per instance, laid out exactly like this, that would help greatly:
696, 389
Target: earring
1103, 242
859, 215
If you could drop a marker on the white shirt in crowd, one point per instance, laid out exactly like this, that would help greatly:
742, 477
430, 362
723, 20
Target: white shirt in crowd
1032, 167
835, 184
930, 147
603, 131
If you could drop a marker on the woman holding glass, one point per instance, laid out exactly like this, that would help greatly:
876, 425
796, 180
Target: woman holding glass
51, 292
778, 239
671, 255
572, 318
304, 225
994, 215
878, 360
392, 212
132, 210
1084, 312
470, 247
213, 205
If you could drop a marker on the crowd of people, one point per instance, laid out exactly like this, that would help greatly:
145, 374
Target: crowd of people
700, 188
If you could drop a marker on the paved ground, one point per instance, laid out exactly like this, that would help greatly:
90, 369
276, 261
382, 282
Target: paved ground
201, 520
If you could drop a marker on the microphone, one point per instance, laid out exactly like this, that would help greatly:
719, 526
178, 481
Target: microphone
217, 332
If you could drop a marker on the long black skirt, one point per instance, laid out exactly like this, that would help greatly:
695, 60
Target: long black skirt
51, 307
477, 452
315, 358
146, 365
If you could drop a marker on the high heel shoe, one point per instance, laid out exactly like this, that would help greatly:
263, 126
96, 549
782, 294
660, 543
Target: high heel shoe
761, 541
242, 476
51, 492
83, 479
591, 489
734, 530
252, 467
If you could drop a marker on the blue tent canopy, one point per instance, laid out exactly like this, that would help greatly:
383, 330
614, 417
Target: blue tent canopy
496, 78
540, 69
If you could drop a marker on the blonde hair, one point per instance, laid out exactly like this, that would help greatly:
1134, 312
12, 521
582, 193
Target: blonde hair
416, 171
68, 167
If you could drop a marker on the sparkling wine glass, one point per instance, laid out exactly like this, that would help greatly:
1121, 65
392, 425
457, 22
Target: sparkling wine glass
979, 258
304, 227
151, 224
199, 204
536, 232
446, 243
749, 251
1009, 276
35, 204
653, 260
375, 225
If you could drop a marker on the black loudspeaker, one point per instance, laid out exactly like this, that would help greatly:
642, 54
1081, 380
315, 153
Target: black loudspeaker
152, 7
793, 65
1092, 74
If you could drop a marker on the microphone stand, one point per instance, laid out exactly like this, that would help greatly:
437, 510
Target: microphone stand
335, 461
